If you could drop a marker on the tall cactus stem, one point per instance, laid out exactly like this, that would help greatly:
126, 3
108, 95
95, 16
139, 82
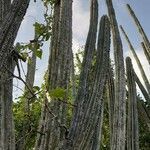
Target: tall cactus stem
145, 52
119, 123
132, 121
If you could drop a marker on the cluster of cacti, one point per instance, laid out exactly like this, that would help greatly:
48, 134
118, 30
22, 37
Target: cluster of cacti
86, 127
137, 61
86, 65
97, 81
141, 30
89, 118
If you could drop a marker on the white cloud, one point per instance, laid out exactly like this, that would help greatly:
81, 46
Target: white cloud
80, 22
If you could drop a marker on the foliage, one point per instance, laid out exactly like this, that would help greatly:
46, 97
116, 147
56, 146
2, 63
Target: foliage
144, 136
42, 34
58, 93
32, 118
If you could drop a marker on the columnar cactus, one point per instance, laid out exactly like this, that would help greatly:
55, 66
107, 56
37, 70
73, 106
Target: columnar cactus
59, 71
52, 74
145, 52
64, 67
119, 123
88, 133
10, 22
132, 121
145, 79
142, 88
4, 8
10, 27
140, 28
110, 91
86, 65
96, 100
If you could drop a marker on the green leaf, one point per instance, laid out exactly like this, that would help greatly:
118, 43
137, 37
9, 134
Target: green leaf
58, 93
24, 55
29, 60
30, 46
38, 53
37, 88
47, 36
18, 47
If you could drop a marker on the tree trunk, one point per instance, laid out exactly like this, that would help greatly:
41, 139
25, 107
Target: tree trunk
119, 126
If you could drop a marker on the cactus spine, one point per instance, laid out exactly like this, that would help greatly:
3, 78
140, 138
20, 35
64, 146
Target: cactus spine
141, 30
132, 125
119, 126
137, 61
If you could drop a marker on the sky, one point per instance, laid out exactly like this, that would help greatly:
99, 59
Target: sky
80, 29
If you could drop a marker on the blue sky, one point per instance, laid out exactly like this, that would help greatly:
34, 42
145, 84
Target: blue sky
80, 29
